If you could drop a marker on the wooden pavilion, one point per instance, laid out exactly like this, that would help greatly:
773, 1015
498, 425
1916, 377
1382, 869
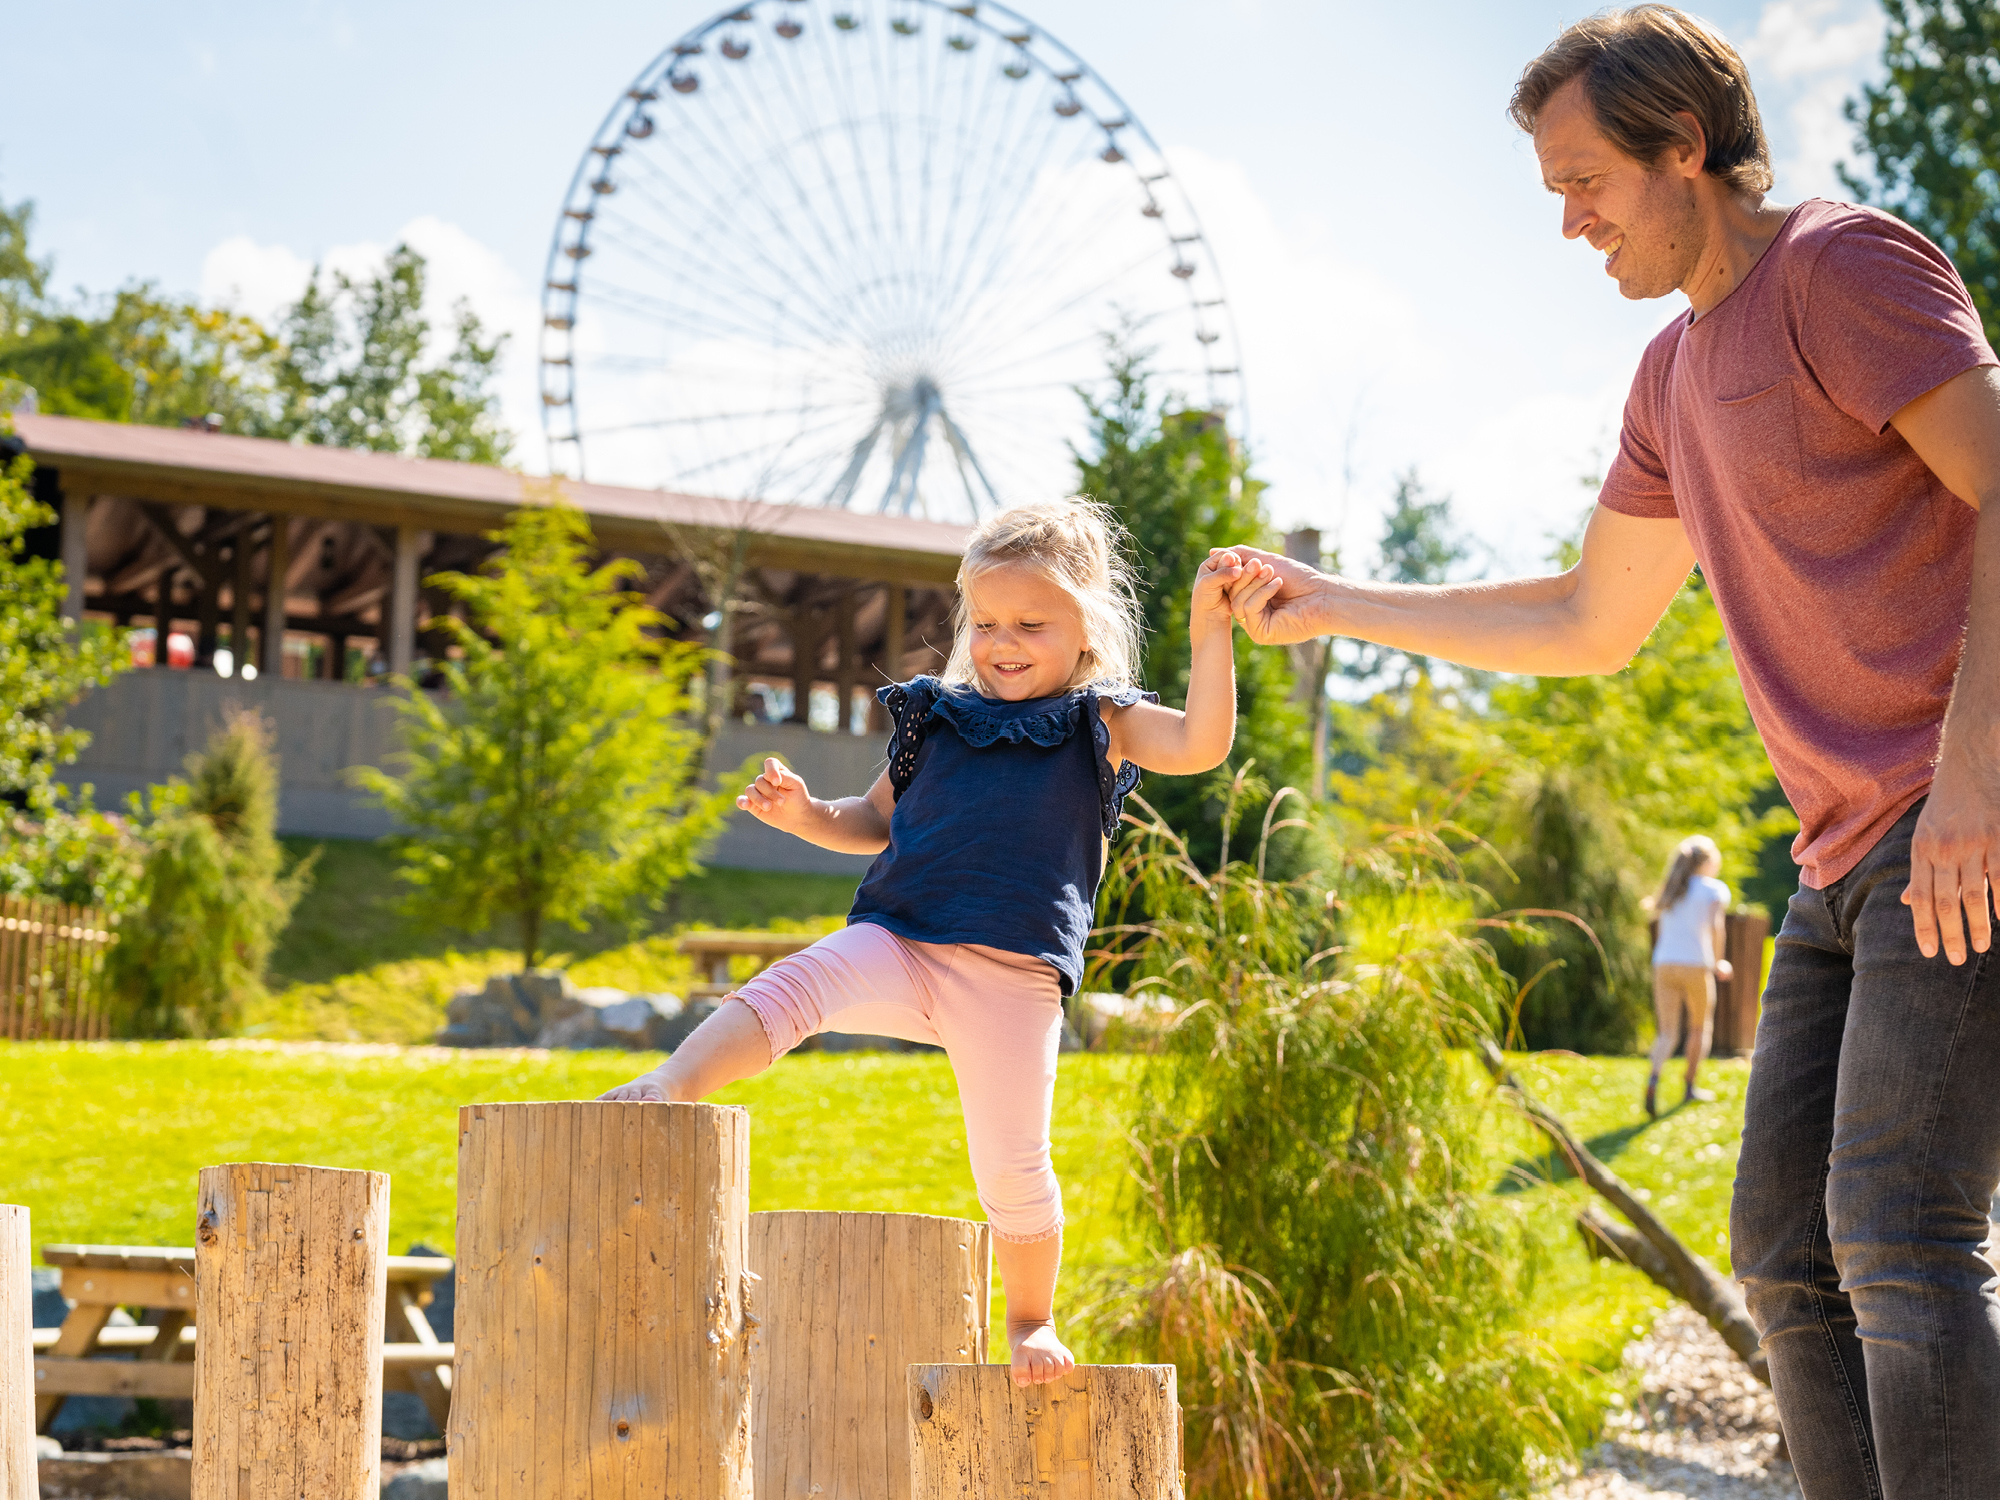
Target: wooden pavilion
285, 574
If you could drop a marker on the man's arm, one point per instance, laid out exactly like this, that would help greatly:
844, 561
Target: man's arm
1592, 618
1955, 855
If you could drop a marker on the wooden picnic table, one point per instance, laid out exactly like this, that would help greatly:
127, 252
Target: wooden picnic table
713, 951
99, 1279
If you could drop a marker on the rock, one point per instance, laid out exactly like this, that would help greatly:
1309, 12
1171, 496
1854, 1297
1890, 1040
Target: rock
420, 1481
510, 1011
605, 1017
46, 1447
405, 1416
50, 1306
671, 1033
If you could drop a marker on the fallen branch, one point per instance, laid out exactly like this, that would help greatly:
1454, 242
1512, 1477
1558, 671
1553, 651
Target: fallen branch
1680, 1270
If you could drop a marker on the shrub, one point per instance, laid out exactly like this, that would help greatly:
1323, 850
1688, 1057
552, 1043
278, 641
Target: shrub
1327, 1268
212, 894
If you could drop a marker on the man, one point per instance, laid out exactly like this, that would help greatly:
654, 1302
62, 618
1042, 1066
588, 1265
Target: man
1821, 431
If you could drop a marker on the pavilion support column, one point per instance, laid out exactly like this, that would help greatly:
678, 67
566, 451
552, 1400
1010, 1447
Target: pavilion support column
402, 605
336, 658
895, 621
808, 635
163, 617
208, 612
844, 671
239, 604
75, 557
271, 643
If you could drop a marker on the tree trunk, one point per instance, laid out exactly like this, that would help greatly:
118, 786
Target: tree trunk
17, 1355
604, 1303
850, 1301
290, 1272
1105, 1431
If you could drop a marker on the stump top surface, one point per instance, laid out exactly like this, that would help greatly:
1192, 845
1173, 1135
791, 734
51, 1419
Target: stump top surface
467, 1110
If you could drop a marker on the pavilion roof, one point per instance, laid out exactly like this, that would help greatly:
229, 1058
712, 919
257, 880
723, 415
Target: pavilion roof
186, 466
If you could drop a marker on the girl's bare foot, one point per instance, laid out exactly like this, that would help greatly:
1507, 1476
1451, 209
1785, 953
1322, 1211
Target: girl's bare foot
655, 1087
1039, 1356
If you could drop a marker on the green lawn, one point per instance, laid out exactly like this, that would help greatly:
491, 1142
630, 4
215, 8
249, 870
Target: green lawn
104, 1140
352, 967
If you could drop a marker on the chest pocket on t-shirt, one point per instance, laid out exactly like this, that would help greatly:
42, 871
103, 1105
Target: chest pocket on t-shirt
1753, 440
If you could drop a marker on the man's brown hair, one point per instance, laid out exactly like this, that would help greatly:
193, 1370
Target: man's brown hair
1641, 67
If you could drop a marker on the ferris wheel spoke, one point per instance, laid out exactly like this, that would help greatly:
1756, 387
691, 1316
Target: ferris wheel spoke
722, 204
999, 316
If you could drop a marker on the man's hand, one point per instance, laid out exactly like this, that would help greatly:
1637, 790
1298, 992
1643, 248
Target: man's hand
778, 797
1954, 858
1278, 600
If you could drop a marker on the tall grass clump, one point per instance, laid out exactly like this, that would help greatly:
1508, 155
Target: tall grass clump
1325, 1265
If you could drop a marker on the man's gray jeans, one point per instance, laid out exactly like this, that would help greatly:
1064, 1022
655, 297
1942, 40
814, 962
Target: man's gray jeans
1871, 1148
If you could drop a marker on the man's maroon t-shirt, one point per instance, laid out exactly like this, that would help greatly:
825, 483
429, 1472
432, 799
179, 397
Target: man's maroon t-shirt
1841, 566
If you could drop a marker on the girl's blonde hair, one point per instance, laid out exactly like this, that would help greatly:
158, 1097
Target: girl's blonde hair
1694, 851
1079, 546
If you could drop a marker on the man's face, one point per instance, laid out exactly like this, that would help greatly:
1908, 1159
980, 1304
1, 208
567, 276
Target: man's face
1647, 223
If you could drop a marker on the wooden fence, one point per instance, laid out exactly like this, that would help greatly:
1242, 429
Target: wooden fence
51, 970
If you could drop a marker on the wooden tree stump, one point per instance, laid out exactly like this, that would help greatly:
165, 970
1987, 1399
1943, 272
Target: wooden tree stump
604, 1303
17, 1355
290, 1268
849, 1303
1105, 1431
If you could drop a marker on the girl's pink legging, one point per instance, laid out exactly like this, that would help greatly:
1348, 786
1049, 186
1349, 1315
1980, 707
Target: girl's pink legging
998, 1017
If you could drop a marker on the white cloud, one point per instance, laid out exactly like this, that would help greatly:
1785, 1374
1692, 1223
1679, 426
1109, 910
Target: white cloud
1808, 57
264, 280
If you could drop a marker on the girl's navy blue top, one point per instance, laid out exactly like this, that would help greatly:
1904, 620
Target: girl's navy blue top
1001, 810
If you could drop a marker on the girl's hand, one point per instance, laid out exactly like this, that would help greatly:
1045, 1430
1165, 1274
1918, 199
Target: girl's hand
1209, 609
778, 797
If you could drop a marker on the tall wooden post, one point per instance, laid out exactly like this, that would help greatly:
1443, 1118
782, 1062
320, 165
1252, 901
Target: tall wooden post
846, 668
604, 1313
849, 1302
75, 556
271, 642
163, 616
402, 604
239, 604
17, 1355
1104, 1431
290, 1275
895, 623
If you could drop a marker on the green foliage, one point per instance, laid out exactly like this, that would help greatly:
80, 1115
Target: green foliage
212, 896
1933, 129
1178, 484
557, 776
353, 372
1329, 1272
1420, 544
69, 853
1578, 787
43, 668
352, 368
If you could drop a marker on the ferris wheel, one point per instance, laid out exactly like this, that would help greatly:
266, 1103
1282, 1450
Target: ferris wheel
864, 253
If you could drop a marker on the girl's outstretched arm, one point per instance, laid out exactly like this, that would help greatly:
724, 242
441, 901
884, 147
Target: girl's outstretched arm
850, 825
1176, 742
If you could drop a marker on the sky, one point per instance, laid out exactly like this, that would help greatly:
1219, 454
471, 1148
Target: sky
1396, 272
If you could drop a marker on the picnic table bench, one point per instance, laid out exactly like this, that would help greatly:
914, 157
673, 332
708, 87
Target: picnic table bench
712, 951
100, 1279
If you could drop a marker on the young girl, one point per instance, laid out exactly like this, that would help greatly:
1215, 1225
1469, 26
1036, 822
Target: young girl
1691, 906
990, 824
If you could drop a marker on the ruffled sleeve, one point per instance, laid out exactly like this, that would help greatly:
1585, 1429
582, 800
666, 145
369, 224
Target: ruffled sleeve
1112, 786
909, 704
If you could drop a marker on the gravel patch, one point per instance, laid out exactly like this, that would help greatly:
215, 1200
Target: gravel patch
1701, 1429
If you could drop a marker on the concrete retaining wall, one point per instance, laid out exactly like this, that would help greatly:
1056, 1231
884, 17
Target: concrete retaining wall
147, 722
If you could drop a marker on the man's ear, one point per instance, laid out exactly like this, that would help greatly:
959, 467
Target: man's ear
1687, 158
